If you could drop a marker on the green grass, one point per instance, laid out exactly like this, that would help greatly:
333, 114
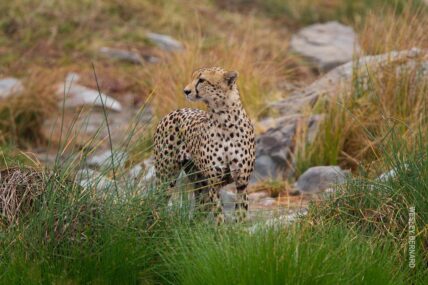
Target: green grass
297, 255
381, 206
359, 236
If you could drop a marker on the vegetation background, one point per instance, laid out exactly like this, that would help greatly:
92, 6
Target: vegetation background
53, 230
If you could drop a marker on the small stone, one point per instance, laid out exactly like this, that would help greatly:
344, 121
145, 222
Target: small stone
78, 95
146, 170
135, 171
278, 222
10, 86
267, 202
151, 59
46, 158
228, 199
165, 42
71, 78
149, 174
326, 45
119, 54
104, 159
88, 178
391, 174
264, 167
256, 196
319, 178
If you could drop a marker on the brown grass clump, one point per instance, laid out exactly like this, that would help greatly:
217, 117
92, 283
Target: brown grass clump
19, 188
22, 115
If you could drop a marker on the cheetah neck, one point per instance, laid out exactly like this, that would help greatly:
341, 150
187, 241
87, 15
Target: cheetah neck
228, 113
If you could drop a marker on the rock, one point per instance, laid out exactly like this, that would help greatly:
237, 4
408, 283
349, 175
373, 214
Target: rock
135, 171
10, 86
256, 196
105, 159
264, 167
228, 198
326, 45
46, 158
143, 176
392, 174
77, 95
279, 222
319, 178
71, 78
274, 148
267, 202
145, 115
147, 169
123, 55
339, 80
165, 42
89, 128
82, 130
149, 174
88, 178
386, 176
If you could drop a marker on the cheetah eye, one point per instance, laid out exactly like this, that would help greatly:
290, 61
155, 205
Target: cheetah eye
201, 80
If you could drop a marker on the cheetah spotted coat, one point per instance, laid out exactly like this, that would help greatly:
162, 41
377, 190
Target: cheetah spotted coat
214, 147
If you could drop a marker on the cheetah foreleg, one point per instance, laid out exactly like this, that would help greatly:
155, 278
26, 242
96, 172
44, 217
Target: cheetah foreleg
241, 206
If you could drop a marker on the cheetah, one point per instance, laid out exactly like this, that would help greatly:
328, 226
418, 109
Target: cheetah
214, 147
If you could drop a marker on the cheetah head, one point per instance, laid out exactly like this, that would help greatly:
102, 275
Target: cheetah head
211, 85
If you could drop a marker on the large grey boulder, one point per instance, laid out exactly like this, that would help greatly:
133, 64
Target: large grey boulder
326, 45
339, 80
275, 147
319, 178
10, 86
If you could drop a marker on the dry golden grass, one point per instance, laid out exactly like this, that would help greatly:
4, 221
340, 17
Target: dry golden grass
386, 32
258, 54
22, 115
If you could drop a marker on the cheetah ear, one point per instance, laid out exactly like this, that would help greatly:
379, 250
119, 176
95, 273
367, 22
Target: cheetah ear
231, 77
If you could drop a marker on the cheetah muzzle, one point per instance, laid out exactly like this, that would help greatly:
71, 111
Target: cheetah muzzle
214, 147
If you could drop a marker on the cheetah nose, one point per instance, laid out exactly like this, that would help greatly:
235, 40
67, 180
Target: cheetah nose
187, 91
